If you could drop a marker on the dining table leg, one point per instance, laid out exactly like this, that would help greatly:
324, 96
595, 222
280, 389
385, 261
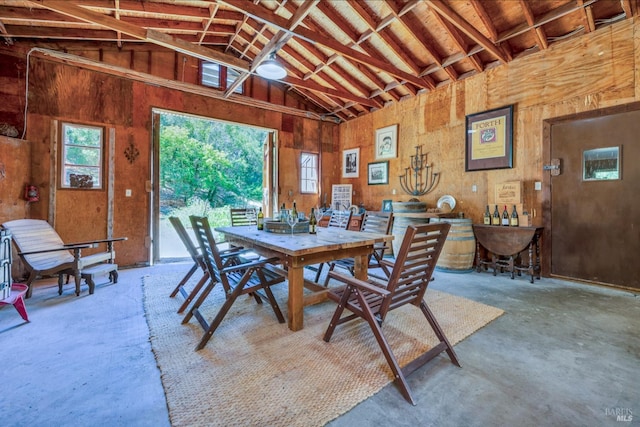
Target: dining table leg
295, 303
360, 266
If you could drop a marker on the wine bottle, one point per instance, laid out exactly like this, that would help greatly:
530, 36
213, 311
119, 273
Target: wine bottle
313, 222
282, 216
487, 216
294, 211
260, 220
505, 216
495, 220
514, 217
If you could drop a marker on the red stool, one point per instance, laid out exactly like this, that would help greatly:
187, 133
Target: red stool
17, 299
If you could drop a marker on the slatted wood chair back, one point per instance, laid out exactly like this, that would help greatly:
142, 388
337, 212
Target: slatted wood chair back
340, 219
237, 277
239, 217
198, 262
372, 300
210, 253
378, 222
414, 266
372, 222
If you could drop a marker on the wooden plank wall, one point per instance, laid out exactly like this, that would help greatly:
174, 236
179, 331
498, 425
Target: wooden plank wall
60, 92
591, 72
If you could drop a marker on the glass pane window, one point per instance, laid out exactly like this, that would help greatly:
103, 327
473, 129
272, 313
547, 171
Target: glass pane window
309, 173
232, 75
82, 156
211, 74
214, 75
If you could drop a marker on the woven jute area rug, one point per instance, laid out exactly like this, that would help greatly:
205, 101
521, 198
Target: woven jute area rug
256, 372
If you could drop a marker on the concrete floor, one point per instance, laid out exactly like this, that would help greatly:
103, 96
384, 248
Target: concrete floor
564, 354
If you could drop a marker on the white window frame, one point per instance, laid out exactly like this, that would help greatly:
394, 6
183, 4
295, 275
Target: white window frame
309, 173
66, 166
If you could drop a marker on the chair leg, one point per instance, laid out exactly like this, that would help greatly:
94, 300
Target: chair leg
196, 305
60, 283
228, 302
90, 282
439, 332
32, 277
274, 304
326, 280
190, 296
78, 279
318, 272
386, 350
113, 276
18, 304
335, 319
184, 280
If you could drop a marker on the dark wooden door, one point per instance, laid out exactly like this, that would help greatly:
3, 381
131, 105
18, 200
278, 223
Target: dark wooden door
595, 225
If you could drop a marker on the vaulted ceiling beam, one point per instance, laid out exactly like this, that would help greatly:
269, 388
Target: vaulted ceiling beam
276, 42
531, 20
3, 30
486, 19
260, 14
449, 14
589, 21
544, 19
207, 22
151, 36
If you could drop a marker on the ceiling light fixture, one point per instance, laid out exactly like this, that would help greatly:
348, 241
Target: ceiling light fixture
271, 69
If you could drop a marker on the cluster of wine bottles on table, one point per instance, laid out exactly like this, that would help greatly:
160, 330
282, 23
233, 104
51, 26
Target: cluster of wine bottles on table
504, 219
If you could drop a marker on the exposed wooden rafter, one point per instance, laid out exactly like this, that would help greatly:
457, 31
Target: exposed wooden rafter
345, 57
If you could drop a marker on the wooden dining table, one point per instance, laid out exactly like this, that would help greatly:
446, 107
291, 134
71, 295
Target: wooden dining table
299, 250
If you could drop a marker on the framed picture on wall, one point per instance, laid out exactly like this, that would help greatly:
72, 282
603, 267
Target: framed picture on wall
489, 139
386, 145
378, 173
387, 206
350, 163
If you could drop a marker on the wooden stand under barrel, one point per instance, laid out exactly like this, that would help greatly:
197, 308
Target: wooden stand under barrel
503, 246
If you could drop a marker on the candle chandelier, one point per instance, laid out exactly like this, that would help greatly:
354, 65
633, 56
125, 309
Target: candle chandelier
419, 178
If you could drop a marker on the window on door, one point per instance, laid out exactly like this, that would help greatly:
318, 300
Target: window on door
82, 156
309, 173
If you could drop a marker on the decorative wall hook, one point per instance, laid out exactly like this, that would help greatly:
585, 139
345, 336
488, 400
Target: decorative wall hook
424, 179
131, 152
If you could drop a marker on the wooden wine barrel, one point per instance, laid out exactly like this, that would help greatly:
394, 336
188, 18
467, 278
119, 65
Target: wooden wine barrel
460, 248
400, 223
409, 207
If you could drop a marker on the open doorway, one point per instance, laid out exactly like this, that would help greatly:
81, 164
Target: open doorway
204, 167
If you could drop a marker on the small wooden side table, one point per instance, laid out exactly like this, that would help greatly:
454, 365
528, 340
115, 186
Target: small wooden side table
18, 290
505, 244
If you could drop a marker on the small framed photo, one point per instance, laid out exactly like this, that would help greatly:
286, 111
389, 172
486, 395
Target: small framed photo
387, 142
350, 163
387, 206
378, 173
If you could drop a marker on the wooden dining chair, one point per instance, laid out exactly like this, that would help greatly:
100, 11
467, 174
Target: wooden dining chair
372, 222
198, 262
237, 278
372, 300
228, 255
338, 219
239, 217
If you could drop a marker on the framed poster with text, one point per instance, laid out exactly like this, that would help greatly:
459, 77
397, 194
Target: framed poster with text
489, 140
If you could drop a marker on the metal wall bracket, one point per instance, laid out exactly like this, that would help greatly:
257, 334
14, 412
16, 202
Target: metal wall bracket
554, 167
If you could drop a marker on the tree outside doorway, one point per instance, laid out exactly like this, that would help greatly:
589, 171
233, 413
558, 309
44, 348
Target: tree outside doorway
206, 167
